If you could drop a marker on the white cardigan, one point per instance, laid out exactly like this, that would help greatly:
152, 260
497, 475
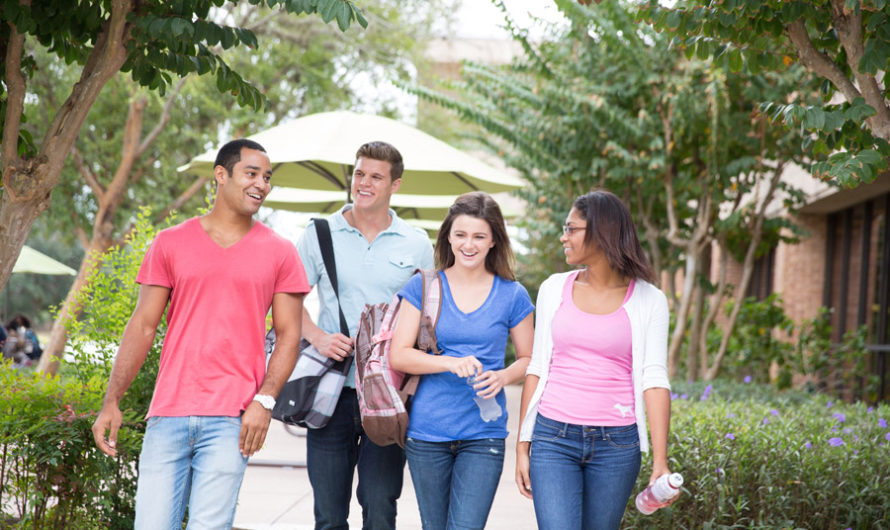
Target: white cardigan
647, 310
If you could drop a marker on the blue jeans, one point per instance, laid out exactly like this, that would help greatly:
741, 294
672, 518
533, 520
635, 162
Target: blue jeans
582, 476
332, 455
189, 461
455, 482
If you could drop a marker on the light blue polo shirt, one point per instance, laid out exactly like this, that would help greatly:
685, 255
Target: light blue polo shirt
367, 273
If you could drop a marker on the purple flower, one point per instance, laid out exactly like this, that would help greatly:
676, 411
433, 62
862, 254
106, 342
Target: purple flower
808, 445
707, 392
829, 404
674, 396
747, 379
729, 436
834, 442
774, 412
730, 415
887, 436
870, 409
841, 418
684, 396
720, 471
848, 430
882, 423
766, 421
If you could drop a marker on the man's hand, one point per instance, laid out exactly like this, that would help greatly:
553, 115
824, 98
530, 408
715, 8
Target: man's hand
254, 426
337, 346
109, 420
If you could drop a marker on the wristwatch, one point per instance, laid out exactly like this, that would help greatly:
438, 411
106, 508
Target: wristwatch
267, 401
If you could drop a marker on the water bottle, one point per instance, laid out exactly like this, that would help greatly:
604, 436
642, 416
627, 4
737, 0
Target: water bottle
489, 409
664, 489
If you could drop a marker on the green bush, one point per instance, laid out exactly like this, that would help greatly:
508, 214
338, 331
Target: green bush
755, 458
51, 474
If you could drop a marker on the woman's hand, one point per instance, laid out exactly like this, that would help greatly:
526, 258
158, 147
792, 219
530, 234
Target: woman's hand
522, 465
465, 366
489, 383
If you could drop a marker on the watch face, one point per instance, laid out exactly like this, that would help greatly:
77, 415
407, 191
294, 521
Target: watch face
267, 402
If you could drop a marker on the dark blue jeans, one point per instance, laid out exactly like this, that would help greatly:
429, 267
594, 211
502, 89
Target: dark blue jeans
332, 455
455, 482
582, 476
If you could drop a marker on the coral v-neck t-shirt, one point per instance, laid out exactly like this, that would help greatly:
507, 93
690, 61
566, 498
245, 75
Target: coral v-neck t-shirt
212, 360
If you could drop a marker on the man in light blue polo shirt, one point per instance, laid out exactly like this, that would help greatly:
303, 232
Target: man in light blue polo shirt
376, 252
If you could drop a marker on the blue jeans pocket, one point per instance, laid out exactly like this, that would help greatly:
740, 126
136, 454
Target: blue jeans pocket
545, 432
624, 437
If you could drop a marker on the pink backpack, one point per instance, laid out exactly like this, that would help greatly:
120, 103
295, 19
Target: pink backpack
384, 394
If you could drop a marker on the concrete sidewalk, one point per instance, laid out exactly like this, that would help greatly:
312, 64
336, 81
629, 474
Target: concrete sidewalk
276, 494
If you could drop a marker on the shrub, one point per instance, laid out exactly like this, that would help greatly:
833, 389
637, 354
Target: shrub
754, 458
51, 474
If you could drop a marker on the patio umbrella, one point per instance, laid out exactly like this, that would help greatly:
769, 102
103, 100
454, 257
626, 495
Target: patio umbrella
317, 152
34, 262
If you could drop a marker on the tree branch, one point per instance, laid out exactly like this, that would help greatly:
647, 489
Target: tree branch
87, 174
162, 121
849, 29
818, 62
190, 192
15, 104
106, 59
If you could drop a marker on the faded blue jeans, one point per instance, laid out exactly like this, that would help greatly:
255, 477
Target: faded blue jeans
189, 461
455, 482
582, 476
332, 454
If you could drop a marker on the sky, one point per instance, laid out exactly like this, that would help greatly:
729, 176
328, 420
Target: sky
480, 19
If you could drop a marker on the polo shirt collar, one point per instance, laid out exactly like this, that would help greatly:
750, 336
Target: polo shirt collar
339, 222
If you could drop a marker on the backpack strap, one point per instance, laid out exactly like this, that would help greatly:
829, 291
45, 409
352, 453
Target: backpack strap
431, 307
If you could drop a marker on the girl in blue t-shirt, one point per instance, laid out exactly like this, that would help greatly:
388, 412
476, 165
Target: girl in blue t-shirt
455, 456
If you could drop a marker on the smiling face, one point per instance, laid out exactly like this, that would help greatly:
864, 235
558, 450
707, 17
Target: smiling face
372, 184
572, 239
244, 190
470, 239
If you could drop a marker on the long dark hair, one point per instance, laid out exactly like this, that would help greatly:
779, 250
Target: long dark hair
611, 228
480, 205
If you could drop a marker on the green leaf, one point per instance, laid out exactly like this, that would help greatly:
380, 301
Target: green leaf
735, 60
344, 16
328, 9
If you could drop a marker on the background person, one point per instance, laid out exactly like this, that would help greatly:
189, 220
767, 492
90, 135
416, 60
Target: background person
455, 457
375, 253
213, 399
597, 372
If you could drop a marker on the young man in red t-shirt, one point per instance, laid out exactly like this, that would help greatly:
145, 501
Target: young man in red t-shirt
213, 400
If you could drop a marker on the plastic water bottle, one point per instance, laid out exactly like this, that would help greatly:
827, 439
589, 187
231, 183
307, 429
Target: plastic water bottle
664, 489
489, 409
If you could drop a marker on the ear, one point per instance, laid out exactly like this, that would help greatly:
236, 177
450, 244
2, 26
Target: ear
396, 184
220, 174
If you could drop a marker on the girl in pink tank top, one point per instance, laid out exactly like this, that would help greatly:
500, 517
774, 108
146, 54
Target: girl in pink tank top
598, 373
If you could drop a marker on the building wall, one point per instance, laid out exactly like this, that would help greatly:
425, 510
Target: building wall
800, 270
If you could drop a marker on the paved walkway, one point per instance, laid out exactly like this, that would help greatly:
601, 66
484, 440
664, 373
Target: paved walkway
276, 494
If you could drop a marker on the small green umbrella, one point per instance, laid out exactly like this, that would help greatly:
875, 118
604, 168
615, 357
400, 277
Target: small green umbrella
33, 262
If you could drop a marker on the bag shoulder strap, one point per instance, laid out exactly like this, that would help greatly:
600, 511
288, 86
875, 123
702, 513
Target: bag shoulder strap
431, 306
326, 245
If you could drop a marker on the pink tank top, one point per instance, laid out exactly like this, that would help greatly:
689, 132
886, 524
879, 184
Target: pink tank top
591, 370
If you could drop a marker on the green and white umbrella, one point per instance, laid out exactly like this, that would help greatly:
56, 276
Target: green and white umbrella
317, 152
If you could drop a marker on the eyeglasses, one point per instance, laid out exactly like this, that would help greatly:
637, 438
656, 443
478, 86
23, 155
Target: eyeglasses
569, 229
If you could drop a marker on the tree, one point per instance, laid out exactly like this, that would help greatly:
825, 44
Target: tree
607, 103
151, 40
844, 42
296, 70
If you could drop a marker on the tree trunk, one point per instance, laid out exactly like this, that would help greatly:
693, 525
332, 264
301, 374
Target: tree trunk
55, 348
690, 275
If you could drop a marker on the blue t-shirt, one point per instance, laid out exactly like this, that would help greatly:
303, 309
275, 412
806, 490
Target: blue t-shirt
443, 408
